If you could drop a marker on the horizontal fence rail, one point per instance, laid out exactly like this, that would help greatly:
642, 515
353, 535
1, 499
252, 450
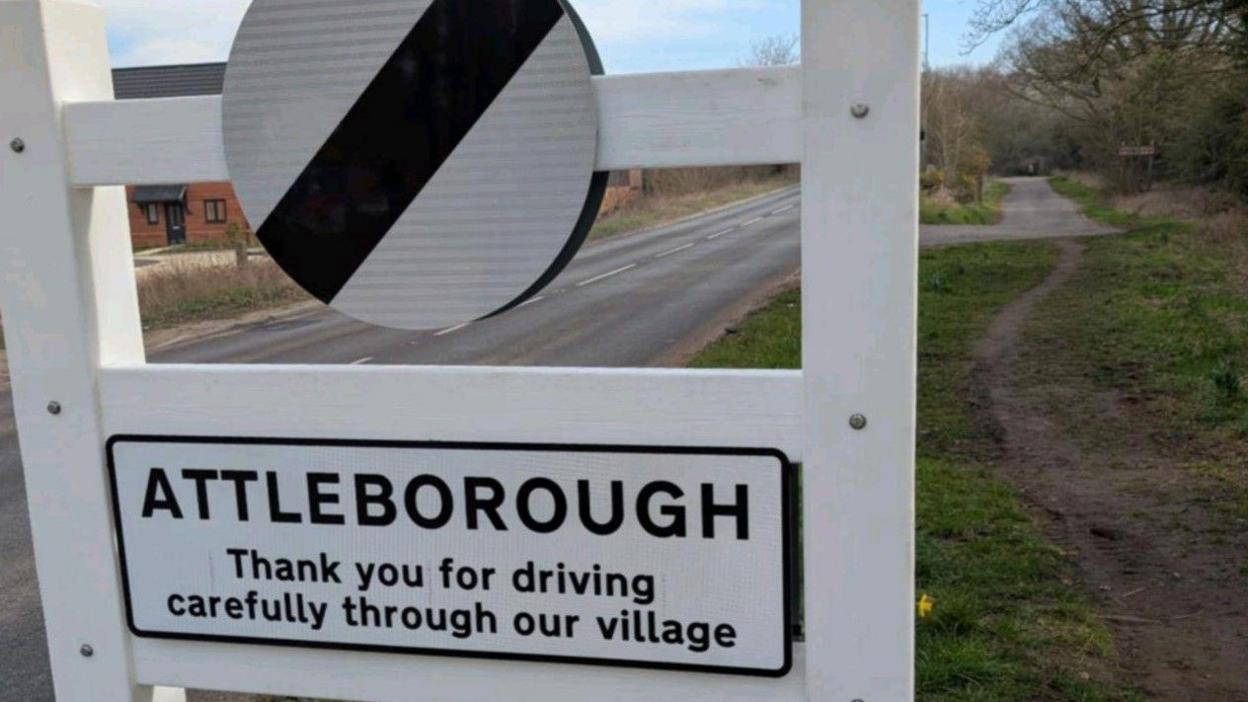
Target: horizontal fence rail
658, 120
729, 409
351, 675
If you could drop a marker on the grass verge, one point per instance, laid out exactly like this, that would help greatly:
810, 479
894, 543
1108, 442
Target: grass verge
932, 211
182, 293
1093, 205
655, 210
1011, 621
1160, 318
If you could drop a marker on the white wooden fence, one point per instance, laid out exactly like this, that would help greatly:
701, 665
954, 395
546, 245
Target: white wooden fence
73, 334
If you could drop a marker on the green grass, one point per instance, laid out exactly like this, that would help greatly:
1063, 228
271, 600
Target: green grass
1093, 205
656, 211
975, 213
1159, 316
770, 338
960, 288
1011, 621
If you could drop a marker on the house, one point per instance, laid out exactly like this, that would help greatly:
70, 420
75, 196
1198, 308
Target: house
178, 213
201, 213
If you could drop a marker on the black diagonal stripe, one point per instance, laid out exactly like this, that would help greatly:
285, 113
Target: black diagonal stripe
440, 81
593, 200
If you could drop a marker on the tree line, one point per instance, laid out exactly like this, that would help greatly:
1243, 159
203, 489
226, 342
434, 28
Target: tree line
1077, 80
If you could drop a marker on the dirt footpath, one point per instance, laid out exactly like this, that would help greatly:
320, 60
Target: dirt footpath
1138, 525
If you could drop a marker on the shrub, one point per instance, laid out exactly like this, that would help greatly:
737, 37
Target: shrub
932, 181
1228, 382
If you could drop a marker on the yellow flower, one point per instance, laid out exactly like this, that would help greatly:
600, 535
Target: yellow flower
926, 605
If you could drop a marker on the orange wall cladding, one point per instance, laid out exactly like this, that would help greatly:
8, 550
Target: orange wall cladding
623, 188
198, 229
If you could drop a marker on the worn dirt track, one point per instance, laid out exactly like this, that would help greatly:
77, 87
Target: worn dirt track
1163, 564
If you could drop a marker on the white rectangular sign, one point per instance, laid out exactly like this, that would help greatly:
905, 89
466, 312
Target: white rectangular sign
648, 557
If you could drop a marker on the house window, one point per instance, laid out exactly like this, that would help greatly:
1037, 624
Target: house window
214, 211
152, 212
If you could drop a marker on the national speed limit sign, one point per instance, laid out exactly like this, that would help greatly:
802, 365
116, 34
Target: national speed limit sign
415, 164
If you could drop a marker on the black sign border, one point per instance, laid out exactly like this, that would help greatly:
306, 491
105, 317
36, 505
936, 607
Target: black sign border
788, 473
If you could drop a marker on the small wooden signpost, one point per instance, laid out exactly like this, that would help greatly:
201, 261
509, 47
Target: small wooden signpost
1131, 156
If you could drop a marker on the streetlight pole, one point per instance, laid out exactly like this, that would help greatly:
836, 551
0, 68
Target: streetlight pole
927, 41
927, 66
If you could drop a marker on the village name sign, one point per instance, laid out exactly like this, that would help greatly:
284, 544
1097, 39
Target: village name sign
626, 555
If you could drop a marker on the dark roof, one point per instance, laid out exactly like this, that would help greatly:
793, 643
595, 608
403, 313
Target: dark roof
147, 194
169, 81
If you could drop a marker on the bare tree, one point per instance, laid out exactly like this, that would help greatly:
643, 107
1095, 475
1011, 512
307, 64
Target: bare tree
775, 50
1134, 72
952, 126
1117, 26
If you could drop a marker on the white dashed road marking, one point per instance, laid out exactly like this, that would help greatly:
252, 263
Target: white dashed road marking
784, 209
604, 276
713, 237
454, 329
362, 361
674, 251
534, 301
752, 222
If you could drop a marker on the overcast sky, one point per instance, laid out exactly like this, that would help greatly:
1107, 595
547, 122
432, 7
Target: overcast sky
632, 35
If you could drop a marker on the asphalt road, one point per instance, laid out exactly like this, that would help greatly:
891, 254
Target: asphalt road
637, 300
625, 302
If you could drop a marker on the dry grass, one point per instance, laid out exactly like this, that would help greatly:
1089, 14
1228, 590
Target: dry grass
1229, 230
181, 292
616, 198
1091, 180
1218, 217
941, 206
662, 184
1229, 227
1186, 202
674, 182
1177, 202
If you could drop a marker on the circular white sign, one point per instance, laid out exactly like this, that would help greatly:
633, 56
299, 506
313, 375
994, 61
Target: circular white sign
415, 164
